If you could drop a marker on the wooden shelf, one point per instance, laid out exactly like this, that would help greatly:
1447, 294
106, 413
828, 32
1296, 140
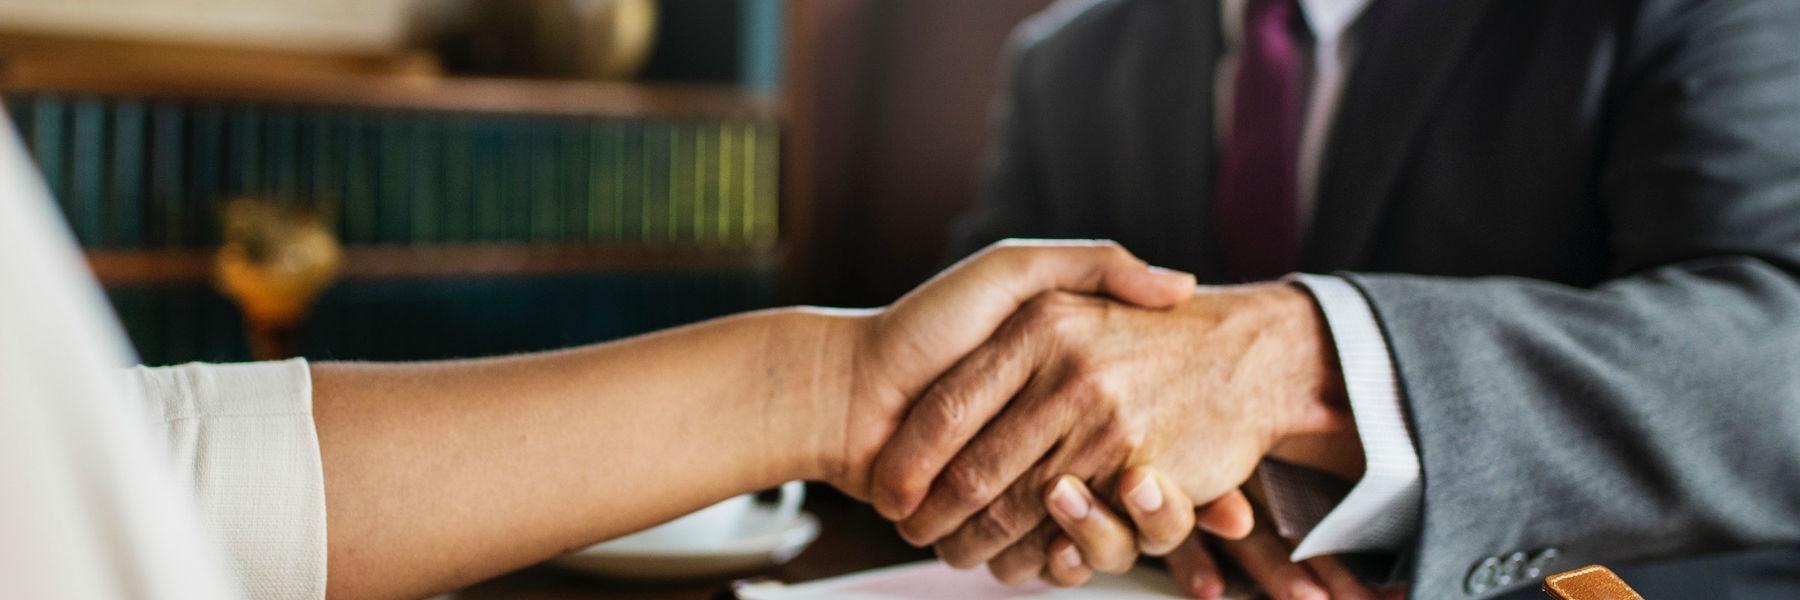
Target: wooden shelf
408, 92
154, 267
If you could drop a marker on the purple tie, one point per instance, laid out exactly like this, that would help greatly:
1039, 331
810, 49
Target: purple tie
1258, 213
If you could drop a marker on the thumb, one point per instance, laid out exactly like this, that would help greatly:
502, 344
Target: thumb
1148, 286
1094, 267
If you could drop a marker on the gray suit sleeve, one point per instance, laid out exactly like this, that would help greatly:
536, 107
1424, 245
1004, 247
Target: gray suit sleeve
1657, 413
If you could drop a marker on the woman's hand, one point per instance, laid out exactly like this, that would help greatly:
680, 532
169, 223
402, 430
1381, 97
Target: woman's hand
896, 352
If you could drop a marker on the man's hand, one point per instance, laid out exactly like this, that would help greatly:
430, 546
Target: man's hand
895, 353
1084, 386
1095, 536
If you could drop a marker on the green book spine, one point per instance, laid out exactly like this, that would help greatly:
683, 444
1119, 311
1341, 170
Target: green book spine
359, 179
743, 205
207, 164
705, 145
458, 195
182, 330
18, 111
635, 168
573, 189
282, 149
723, 174
603, 181
706, 182
244, 153
167, 198
516, 180
768, 188
393, 199
321, 174
546, 212
127, 190
657, 191
49, 131
488, 210
682, 149
425, 142
132, 307
306, 155
87, 169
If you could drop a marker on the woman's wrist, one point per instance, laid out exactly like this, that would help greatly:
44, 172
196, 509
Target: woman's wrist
808, 366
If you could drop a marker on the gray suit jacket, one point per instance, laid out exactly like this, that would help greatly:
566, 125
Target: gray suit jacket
1578, 223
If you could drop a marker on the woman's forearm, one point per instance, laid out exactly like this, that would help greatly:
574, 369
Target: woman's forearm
444, 473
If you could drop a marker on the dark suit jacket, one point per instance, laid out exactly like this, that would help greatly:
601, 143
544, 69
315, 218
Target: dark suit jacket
1578, 222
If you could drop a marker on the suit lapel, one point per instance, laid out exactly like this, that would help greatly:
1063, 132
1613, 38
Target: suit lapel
1174, 123
1408, 52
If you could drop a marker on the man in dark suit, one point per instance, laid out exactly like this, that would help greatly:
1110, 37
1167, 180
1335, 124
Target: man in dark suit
1562, 324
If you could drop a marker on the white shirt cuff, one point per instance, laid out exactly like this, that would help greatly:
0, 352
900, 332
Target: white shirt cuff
241, 437
1381, 512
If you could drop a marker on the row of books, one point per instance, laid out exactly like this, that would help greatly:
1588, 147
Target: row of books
150, 173
443, 318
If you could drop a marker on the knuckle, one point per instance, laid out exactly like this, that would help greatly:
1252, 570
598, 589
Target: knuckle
1090, 379
1114, 250
996, 523
1040, 312
1011, 254
902, 478
1051, 312
1123, 432
966, 484
946, 411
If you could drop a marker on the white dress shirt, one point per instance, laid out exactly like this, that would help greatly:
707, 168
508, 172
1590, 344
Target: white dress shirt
1381, 511
91, 507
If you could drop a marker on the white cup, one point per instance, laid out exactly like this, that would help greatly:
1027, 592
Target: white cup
722, 523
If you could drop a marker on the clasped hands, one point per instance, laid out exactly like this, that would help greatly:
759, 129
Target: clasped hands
1011, 410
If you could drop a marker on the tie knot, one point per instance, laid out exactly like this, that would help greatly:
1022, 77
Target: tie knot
1270, 17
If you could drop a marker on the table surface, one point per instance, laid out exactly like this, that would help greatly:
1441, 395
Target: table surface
853, 538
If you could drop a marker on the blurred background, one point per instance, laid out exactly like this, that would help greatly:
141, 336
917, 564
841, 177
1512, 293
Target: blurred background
401, 179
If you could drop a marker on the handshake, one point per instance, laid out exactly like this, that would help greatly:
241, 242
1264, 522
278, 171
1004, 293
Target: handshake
1055, 408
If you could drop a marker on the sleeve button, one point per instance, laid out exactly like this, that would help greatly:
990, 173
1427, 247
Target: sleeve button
1540, 563
1481, 577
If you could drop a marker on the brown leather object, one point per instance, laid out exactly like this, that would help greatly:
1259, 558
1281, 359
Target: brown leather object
1592, 582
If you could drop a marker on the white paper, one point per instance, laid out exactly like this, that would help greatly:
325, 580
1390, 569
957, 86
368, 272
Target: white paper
933, 580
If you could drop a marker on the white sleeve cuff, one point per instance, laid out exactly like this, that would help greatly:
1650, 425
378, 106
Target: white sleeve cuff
241, 437
1381, 513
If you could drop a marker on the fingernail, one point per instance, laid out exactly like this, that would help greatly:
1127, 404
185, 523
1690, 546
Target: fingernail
1305, 590
1147, 496
1170, 273
1067, 501
1069, 557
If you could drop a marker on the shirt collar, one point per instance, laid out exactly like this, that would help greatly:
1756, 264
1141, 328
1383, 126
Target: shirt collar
1327, 19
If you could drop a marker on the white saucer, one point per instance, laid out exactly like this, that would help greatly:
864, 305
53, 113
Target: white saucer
763, 544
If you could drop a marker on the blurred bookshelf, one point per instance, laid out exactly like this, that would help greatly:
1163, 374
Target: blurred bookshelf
478, 214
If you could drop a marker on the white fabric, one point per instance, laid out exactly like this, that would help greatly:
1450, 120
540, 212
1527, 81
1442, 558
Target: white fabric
242, 438
88, 508
1381, 512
